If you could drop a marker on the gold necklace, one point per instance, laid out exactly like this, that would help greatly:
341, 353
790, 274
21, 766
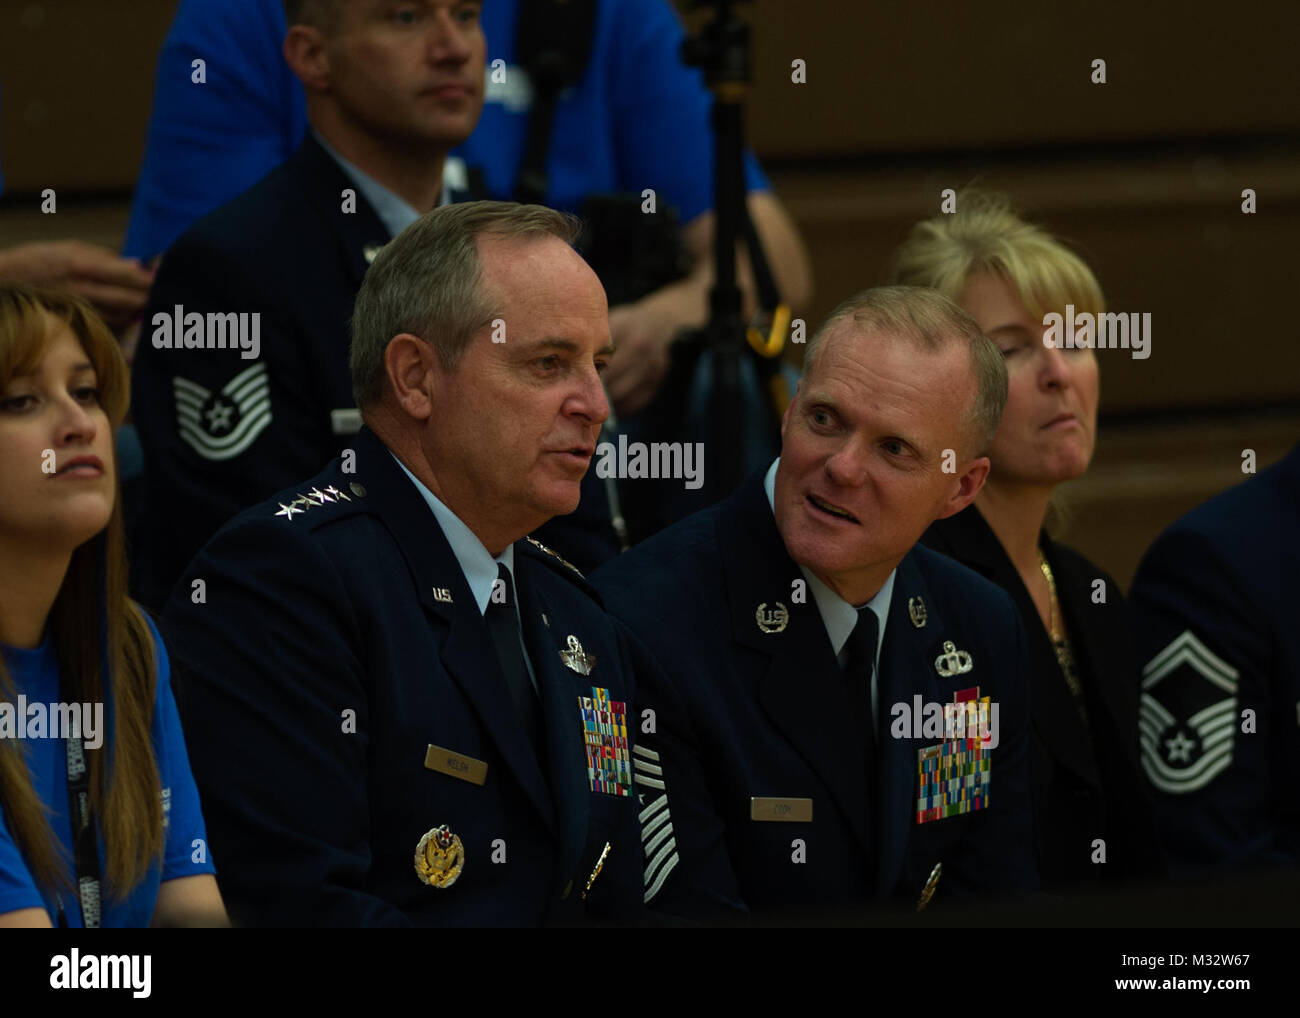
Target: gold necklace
1060, 642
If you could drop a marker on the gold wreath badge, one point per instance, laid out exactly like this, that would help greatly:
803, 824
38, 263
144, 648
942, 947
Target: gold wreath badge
439, 857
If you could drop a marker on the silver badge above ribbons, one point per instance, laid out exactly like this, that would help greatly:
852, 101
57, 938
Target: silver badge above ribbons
952, 661
576, 659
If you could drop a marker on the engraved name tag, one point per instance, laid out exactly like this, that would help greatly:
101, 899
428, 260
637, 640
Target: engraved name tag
455, 764
792, 810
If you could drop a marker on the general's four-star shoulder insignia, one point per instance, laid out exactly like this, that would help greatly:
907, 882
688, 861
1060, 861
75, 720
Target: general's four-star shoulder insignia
221, 425
1188, 715
302, 502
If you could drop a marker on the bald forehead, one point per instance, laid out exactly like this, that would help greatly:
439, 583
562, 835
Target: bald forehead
856, 362
848, 341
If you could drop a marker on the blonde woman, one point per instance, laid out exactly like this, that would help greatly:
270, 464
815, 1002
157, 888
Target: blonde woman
100, 822
1091, 819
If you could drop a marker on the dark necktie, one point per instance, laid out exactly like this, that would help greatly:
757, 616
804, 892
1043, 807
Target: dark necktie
503, 624
859, 663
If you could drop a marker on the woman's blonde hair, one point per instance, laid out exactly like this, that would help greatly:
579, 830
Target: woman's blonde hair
100, 637
985, 234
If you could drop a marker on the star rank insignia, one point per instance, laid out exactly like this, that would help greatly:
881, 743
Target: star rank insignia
287, 511
300, 503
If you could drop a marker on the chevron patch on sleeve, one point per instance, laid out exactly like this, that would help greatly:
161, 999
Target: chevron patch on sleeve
1187, 720
657, 842
221, 425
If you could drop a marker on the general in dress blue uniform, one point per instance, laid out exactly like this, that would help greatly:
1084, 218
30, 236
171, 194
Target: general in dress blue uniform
400, 711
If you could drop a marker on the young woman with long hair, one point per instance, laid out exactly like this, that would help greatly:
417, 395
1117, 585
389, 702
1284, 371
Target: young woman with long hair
100, 821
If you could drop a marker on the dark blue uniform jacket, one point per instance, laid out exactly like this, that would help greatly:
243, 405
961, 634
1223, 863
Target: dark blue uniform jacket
742, 713
324, 651
1218, 613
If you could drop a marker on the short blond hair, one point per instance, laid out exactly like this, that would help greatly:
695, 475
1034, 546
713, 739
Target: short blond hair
985, 234
930, 321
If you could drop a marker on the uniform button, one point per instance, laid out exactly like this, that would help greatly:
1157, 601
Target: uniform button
357, 490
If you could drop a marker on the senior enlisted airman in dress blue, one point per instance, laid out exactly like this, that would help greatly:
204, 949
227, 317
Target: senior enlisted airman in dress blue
837, 716
1216, 607
345, 705
757, 787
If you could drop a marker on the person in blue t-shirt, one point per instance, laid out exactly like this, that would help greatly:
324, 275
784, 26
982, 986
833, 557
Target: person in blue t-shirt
84, 677
637, 118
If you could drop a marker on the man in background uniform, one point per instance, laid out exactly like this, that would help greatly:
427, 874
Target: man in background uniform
1216, 606
793, 749
223, 428
398, 710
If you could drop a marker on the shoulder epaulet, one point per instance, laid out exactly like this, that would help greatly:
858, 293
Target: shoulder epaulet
305, 501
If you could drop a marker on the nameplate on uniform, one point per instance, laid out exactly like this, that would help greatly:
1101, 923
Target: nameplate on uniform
444, 761
345, 421
780, 810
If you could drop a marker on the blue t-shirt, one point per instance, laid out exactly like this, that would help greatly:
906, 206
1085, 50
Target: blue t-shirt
35, 674
637, 119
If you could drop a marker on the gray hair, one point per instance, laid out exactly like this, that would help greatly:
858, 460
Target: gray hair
427, 282
930, 321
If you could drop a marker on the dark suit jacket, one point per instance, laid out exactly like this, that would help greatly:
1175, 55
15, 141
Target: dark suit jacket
1087, 786
355, 603
221, 432
739, 712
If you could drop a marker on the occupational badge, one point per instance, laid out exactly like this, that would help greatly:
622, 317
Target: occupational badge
916, 611
604, 734
576, 659
439, 857
952, 661
773, 621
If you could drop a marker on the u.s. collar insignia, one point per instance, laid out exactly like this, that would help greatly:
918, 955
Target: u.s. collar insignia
370, 252
576, 659
439, 857
916, 611
773, 621
952, 661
